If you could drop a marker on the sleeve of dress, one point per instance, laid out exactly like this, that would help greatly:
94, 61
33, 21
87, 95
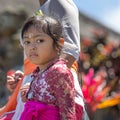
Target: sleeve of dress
64, 92
67, 13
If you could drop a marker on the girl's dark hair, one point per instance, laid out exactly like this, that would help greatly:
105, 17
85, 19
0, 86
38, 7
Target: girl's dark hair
49, 25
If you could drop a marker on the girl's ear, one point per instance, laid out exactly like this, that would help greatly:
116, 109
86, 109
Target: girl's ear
61, 41
59, 45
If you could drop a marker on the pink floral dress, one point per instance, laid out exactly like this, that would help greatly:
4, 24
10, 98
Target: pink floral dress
55, 86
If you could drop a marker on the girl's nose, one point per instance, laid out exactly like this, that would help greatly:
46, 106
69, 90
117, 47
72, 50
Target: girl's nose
33, 46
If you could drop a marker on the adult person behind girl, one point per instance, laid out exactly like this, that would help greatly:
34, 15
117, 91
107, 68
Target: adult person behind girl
67, 13
52, 93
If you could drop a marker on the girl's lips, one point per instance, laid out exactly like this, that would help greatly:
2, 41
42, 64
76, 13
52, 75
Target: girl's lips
33, 55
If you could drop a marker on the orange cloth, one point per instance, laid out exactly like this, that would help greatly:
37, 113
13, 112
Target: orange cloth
28, 67
75, 66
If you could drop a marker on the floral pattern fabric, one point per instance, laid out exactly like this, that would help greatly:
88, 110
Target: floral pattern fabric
55, 86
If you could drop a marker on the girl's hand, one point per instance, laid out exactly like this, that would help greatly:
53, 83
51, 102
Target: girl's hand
24, 91
13, 79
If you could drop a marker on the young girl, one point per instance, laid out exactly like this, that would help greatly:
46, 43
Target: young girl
51, 95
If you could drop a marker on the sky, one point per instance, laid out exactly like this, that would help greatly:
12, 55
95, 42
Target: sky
105, 11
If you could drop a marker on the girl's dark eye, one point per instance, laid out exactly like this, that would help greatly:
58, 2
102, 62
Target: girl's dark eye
26, 42
39, 41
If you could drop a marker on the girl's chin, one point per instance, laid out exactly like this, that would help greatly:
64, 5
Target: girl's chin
34, 62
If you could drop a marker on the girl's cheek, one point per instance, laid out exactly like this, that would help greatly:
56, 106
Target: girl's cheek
26, 50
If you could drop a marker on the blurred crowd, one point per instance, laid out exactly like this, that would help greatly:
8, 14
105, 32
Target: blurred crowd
99, 71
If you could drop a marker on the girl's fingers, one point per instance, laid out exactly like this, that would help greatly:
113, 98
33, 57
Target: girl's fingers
23, 93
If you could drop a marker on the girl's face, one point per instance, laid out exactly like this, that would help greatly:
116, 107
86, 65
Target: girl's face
39, 47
